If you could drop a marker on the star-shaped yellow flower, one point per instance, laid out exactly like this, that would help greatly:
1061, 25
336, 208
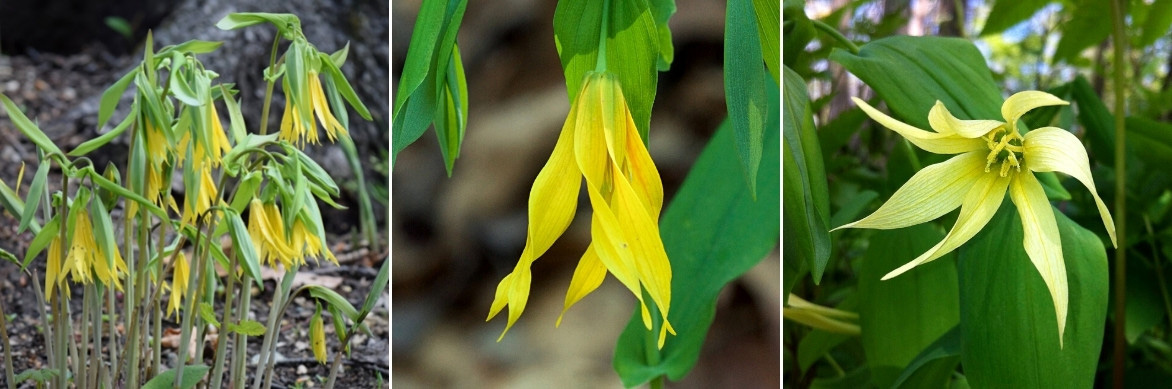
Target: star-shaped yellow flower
599, 141
992, 157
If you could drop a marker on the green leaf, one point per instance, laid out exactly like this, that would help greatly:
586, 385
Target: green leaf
432, 42
806, 198
26, 127
7, 256
42, 240
1157, 24
248, 328
768, 31
35, 192
342, 86
911, 73
194, 46
334, 299
854, 379
111, 186
798, 30
1150, 141
236, 124
1097, 120
1006, 14
703, 258
378, 286
451, 116
631, 49
192, 374
103, 230
208, 314
102, 140
1007, 315
744, 84
1145, 304
901, 316
110, 97
662, 10
815, 345
1084, 29
933, 367
242, 243
287, 24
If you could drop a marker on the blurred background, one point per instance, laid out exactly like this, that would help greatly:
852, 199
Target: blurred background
454, 238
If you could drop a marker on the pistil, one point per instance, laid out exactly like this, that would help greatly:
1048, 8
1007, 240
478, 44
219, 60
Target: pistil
1004, 145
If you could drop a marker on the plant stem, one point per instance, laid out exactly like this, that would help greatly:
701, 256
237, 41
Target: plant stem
280, 301
86, 311
240, 345
221, 345
1119, 39
264, 112
8, 375
837, 36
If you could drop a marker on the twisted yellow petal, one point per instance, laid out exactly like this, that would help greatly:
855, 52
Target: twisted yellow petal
1020, 103
1042, 242
930, 193
943, 122
934, 142
1053, 149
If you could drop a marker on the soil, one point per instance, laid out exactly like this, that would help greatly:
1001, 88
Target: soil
48, 87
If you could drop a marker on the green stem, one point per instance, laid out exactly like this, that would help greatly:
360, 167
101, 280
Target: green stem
221, 346
1158, 262
264, 111
600, 65
657, 382
834, 364
1119, 36
8, 375
86, 311
837, 36
193, 287
236, 376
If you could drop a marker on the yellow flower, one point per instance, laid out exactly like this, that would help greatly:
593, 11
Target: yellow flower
267, 231
179, 276
307, 244
992, 158
599, 141
84, 261
195, 205
296, 131
317, 336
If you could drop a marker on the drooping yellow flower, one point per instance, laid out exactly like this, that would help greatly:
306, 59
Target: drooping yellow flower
599, 141
179, 275
992, 158
267, 230
824, 318
197, 202
307, 244
294, 130
84, 261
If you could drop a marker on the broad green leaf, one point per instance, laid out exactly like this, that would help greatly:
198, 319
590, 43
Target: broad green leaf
901, 316
630, 49
1085, 28
110, 97
854, 379
334, 299
806, 198
933, 367
854, 208
287, 24
26, 127
814, 346
428, 25
1098, 121
798, 31
208, 314
248, 327
35, 192
432, 43
236, 124
1157, 24
194, 46
703, 258
1006, 14
1145, 303
744, 84
768, 31
342, 86
451, 115
911, 73
1007, 320
1054, 189
192, 374
1150, 141
242, 243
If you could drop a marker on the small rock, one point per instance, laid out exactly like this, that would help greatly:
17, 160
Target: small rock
12, 86
302, 370
40, 84
69, 94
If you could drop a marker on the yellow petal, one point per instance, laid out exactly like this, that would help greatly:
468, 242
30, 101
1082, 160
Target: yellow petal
932, 192
1022, 102
52, 267
643, 174
1051, 149
1042, 243
931, 141
322, 109
588, 275
943, 122
980, 204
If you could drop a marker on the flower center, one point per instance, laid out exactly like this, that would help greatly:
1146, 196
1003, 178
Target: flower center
1005, 147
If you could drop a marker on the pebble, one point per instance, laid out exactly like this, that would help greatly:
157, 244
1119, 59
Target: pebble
12, 86
301, 370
